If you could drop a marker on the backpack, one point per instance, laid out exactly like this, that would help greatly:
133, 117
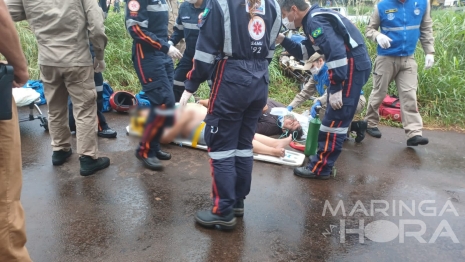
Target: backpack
107, 92
390, 108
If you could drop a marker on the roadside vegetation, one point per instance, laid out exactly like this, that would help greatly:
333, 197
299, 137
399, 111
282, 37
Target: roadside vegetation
441, 93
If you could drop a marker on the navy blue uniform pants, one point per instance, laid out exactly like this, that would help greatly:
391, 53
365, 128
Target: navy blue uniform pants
335, 124
180, 74
155, 71
238, 95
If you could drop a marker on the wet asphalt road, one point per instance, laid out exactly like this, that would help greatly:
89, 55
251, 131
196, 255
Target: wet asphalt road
128, 213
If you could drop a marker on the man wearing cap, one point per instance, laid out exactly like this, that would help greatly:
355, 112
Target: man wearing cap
318, 83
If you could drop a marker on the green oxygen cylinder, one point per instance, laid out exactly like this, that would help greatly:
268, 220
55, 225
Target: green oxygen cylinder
311, 144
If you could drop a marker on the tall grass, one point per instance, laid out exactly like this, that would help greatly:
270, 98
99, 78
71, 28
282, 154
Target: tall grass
441, 92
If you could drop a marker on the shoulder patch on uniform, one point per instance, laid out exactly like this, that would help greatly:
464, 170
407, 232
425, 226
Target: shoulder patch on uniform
205, 12
317, 32
390, 11
133, 6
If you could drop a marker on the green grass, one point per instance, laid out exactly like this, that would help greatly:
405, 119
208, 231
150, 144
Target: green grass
441, 93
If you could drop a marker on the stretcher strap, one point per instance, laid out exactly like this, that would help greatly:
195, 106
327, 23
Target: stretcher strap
195, 138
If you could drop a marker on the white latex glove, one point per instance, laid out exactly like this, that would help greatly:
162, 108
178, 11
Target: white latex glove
383, 41
429, 61
280, 38
335, 100
99, 66
184, 98
174, 53
170, 42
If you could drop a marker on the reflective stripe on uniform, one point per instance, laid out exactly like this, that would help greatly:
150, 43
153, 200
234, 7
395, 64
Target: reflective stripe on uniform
178, 83
190, 26
270, 54
180, 27
337, 63
304, 52
352, 42
244, 153
157, 8
227, 48
410, 27
204, 57
316, 48
131, 22
222, 154
99, 88
164, 112
334, 130
277, 23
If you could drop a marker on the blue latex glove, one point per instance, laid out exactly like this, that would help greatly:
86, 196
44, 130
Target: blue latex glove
289, 108
313, 109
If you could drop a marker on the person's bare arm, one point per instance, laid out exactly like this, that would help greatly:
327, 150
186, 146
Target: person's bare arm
10, 47
204, 102
171, 133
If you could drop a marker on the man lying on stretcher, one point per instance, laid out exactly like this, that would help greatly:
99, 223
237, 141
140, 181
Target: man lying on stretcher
189, 125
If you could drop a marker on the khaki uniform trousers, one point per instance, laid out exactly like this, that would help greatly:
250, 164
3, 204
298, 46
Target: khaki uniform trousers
173, 15
12, 224
404, 71
77, 82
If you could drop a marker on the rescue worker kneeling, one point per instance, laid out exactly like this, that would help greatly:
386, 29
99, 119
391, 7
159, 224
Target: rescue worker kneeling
349, 68
318, 84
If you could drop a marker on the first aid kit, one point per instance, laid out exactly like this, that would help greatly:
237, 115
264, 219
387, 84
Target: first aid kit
390, 108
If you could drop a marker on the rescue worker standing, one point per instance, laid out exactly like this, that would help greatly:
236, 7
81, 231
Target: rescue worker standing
173, 6
402, 23
349, 68
12, 224
66, 69
186, 27
234, 43
147, 23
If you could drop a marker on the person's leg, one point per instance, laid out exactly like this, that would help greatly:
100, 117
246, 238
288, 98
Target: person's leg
261, 148
384, 72
407, 84
57, 103
359, 126
72, 121
12, 223
272, 142
183, 67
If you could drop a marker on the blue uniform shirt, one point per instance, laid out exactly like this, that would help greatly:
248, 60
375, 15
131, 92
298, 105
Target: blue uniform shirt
186, 26
333, 35
226, 30
147, 23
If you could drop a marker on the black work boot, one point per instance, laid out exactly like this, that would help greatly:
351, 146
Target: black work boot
239, 208
163, 155
107, 133
374, 132
207, 219
307, 173
90, 165
151, 163
59, 157
417, 140
360, 127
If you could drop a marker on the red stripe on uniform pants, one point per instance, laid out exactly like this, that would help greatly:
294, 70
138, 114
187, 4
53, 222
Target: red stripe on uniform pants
329, 153
140, 66
189, 74
216, 197
326, 148
218, 80
144, 142
351, 65
212, 93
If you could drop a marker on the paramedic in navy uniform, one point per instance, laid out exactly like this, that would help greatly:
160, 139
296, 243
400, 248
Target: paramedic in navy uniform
334, 36
234, 43
147, 23
186, 27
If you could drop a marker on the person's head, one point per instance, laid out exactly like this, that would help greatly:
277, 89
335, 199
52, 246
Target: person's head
293, 12
315, 63
291, 126
253, 4
197, 2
